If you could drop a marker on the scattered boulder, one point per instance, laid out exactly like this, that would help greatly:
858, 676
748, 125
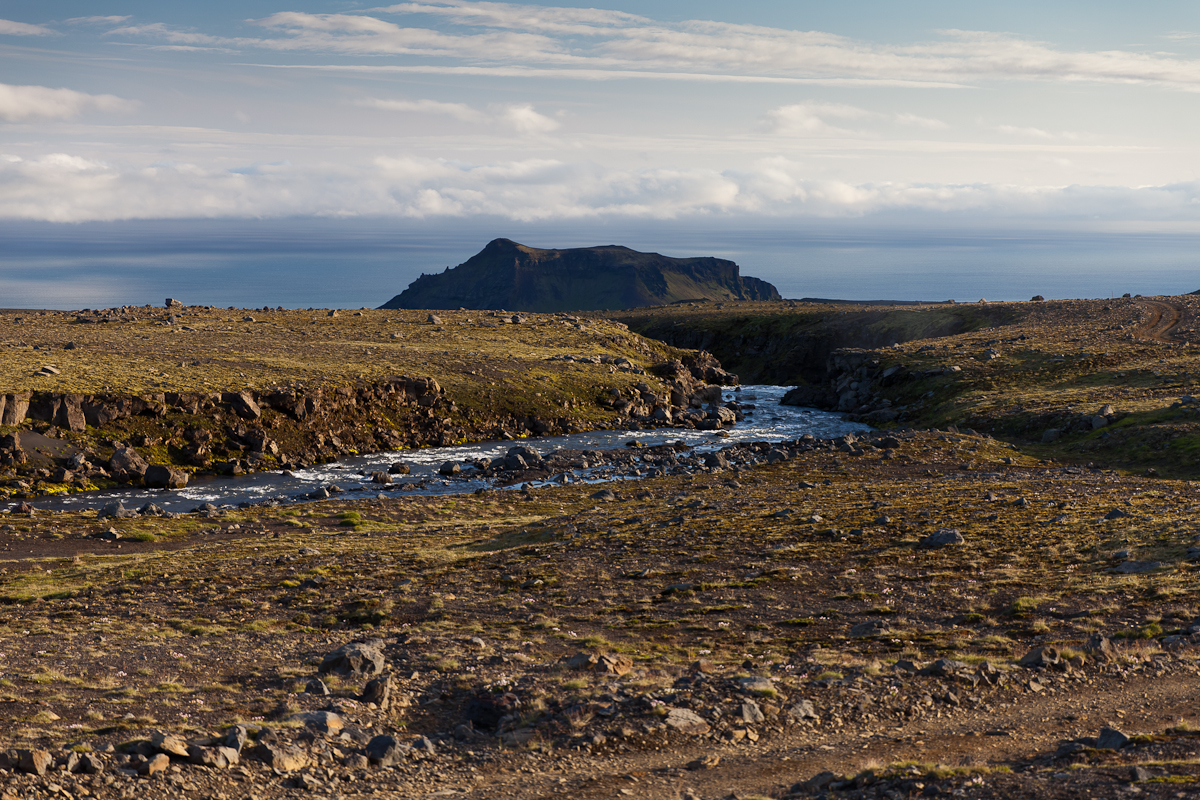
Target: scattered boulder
324, 722
356, 659
35, 762
170, 744
802, 711
864, 630
1100, 648
379, 692
943, 538
1041, 657
285, 758
214, 757
1111, 739
387, 751
686, 721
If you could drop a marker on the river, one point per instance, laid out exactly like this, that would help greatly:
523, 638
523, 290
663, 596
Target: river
767, 421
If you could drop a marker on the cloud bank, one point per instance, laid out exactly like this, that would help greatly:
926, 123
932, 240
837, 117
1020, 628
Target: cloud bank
66, 188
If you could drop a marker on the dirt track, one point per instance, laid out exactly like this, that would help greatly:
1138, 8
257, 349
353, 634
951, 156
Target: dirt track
1163, 319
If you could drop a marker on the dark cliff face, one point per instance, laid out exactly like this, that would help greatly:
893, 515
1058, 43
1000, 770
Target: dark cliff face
515, 277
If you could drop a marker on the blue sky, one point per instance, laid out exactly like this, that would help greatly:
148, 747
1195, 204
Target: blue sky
1056, 115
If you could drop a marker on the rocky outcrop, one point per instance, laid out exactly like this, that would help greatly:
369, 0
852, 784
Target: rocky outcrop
155, 439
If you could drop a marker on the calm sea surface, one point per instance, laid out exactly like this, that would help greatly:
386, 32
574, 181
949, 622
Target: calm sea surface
355, 263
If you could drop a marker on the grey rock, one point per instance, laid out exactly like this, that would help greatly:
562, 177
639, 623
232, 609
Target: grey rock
244, 405
213, 757
433, 319
1100, 648
449, 468
1111, 739
751, 713
755, 685
943, 538
356, 659
1099, 422
686, 721
1041, 657
1051, 435
945, 667
802, 711
235, 738
387, 751
115, 510
285, 758
399, 468
605, 495
864, 630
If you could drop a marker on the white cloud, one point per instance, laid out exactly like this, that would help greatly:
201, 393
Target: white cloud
10, 28
67, 188
812, 119
523, 119
519, 117
21, 103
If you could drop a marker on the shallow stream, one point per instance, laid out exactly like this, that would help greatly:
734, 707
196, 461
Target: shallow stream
766, 421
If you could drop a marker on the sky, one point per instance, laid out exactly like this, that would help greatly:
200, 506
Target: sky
1055, 115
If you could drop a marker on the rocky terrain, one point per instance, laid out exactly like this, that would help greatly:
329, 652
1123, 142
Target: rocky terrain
927, 610
513, 276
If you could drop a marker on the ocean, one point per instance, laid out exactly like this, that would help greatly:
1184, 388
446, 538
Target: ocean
357, 263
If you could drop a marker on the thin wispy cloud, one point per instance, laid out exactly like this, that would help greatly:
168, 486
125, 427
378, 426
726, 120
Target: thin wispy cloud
1036, 133
109, 20
10, 28
921, 122
503, 34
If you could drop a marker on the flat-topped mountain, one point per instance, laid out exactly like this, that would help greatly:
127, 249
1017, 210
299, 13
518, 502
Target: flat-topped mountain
515, 277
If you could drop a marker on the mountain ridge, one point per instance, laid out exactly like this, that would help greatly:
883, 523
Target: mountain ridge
513, 276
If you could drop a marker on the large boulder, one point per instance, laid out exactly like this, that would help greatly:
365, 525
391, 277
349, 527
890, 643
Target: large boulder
158, 476
126, 464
